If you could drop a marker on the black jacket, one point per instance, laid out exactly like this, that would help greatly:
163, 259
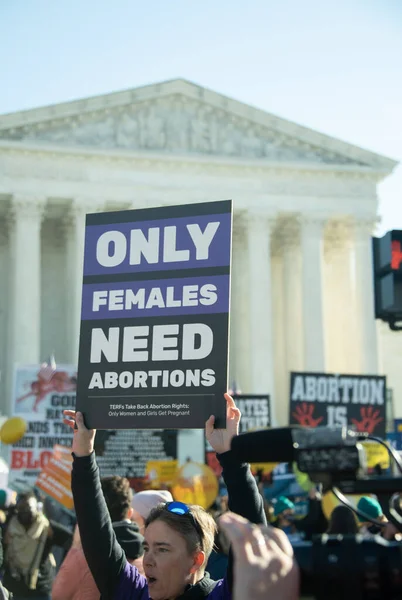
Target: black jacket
104, 555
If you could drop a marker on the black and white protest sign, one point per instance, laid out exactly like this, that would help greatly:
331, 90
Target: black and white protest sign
127, 452
155, 310
322, 399
255, 411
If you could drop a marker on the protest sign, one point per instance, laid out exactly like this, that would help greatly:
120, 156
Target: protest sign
55, 478
255, 411
376, 455
155, 310
128, 452
40, 397
321, 399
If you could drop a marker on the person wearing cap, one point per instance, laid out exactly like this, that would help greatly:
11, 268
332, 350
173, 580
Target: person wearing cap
143, 502
372, 509
178, 538
284, 511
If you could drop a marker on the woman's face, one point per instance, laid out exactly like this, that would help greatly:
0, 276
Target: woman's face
168, 566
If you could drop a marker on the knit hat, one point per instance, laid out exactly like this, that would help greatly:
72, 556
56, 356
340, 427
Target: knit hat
282, 503
145, 501
370, 507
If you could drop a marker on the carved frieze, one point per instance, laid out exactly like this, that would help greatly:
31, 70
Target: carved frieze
175, 124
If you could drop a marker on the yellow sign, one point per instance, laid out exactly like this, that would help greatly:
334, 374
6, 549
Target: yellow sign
195, 484
266, 468
330, 501
376, 454
161, 472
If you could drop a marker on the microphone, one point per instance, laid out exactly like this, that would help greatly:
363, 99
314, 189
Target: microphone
267, 445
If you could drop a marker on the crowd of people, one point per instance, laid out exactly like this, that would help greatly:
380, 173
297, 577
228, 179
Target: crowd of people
146, 545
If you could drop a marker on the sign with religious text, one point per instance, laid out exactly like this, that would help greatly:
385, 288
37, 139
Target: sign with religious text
40, 395
338, 400
155, 317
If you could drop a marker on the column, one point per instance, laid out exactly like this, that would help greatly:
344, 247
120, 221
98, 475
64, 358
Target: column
312, 294
25, 283
239, 330
75, 239
290, 244
26, 215
364, 297
281, 377
340, 326
261, 356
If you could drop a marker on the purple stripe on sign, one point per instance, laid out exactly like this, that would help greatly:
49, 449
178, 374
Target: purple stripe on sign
160, 245
133, 299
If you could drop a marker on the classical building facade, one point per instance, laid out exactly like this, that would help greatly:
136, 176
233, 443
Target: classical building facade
305, 206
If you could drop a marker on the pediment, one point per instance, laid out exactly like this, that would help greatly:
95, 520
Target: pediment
178, 117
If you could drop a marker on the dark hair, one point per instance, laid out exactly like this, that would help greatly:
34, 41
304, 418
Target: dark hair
118, 496
184, 525
26, 497
342, 521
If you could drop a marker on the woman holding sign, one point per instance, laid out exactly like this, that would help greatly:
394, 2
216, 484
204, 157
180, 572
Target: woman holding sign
178, 538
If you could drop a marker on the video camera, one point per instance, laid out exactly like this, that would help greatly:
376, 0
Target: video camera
336, 566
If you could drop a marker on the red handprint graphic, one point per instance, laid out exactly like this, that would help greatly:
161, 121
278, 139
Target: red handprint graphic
370, 419
304, 415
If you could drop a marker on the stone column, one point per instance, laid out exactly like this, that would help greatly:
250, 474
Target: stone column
364, 297
75, 238
290, 244
26, 218
24, 283
340, 325
312, 294
239, 326
261, 356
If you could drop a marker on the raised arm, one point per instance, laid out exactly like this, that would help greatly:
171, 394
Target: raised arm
244, 496
104, 555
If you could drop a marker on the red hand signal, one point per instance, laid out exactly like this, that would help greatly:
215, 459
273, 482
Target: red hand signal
396, 255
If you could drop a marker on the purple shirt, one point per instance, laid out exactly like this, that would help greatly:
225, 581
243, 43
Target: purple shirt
133, 586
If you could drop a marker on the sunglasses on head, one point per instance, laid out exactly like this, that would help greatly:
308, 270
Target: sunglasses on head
181, 509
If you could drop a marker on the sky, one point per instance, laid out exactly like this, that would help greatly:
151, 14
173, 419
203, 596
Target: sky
331, 65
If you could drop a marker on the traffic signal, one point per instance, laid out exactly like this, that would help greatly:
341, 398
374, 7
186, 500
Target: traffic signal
387, 264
